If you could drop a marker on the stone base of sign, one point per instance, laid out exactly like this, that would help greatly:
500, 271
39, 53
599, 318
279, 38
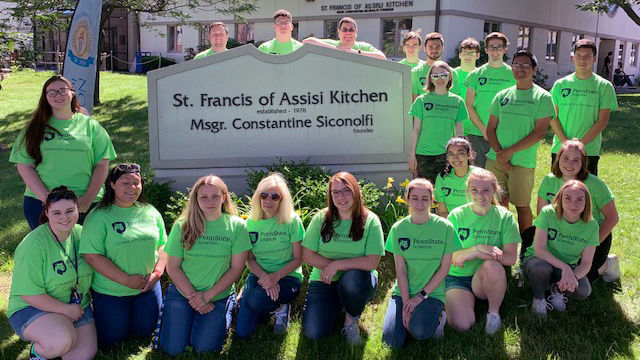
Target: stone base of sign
236, 178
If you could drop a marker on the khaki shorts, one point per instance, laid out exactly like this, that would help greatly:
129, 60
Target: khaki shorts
516, 184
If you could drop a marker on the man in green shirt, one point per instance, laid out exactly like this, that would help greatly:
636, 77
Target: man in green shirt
584, 101
468, 53
283, 43
520, 117
433, 45
218, 37
348, 32
483, 84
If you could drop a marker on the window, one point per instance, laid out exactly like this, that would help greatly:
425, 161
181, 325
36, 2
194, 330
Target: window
524, 36
331, 29
633, 57
245, 33
203, 35
294, 33
174, 38
393, 31
552, 46
620, 53
574, 40
490, 27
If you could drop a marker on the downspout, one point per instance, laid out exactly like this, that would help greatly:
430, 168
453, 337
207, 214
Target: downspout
437, 24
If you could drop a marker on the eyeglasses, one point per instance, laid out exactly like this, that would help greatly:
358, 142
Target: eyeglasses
468, 53
129, 168
282, 23
274, 196
348, 30
522, 66
343, 192
62, 92
443, 75
61, 194
494, 48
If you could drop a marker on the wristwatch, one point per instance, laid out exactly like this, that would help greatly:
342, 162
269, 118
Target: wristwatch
424, 294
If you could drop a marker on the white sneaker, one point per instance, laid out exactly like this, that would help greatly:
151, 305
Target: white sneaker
493, 323
351, 332
539, 307
439, 333
613, 271
557, 299
281, 319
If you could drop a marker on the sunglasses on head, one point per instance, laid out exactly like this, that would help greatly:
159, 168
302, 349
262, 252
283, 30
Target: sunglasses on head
274, 197
61, 194
129, 168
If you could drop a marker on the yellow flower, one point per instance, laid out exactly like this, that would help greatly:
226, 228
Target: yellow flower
389, 182
405, 183
400, 200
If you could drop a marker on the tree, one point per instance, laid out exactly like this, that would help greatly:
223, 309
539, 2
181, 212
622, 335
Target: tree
54, 14
603, 6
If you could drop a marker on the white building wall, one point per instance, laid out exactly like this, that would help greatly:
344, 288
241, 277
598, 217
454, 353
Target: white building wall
310, 28
369, 30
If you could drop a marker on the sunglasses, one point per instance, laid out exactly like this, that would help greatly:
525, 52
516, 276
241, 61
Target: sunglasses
443, 75
348, 30
128, 168
274, 197
64, 194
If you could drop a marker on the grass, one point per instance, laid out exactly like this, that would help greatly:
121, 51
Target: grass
605, 326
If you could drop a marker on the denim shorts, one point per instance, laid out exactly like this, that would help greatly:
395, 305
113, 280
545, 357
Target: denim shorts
23, 318
458, 282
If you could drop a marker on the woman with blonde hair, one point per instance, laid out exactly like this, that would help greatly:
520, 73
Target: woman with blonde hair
276, 277
207, 249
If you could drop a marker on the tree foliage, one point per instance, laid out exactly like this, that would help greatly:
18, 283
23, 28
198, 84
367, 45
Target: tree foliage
604, 6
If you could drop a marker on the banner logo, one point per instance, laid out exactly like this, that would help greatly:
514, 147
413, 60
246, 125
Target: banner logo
82, 43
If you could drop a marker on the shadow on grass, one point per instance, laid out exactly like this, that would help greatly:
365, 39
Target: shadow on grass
624, 125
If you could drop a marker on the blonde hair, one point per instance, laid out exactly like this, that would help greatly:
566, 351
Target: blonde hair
194, 219
430, 86
418, 183
486, 175
557, 201
285, 208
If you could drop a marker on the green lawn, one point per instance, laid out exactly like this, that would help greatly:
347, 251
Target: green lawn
605, 326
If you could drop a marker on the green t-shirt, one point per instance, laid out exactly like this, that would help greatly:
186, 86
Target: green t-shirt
341, 245
202, 54
422, 247
357, 45
497, 228
275, 47
413, 65
271, 243
565, 241
579, 102
419, 79
68, 157
439, 115
486, 82
601, 195
462, 91
129, 237
451, 189
517, 112
210, 257
41, 267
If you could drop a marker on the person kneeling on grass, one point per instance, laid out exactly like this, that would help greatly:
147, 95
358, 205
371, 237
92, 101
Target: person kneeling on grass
421, 244
565, 241
488, 238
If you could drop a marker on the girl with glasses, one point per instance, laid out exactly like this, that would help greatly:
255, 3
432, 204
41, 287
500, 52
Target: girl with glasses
438, 116
275, 279
207, 250
343, 244
60, 145
49, 303
123, 239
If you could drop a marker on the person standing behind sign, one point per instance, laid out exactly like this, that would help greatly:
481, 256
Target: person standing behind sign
433, 46
275, 279
438, 116
468, 53
343, 244
218, 37
207, 250
411, 44
347, 32
61, 146
123, 240
283, 43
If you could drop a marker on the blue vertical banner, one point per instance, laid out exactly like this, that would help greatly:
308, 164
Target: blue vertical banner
82, 50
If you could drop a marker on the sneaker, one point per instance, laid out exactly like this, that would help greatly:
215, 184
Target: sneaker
33, 355
282, 319
557, 299
613, 271
539, 307
439, 334
351, 332
493, 323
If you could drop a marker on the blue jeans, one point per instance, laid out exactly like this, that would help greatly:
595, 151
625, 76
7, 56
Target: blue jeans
119, 317
22, 318
32, 209
255, 302
324, 302
182, 325
422, 324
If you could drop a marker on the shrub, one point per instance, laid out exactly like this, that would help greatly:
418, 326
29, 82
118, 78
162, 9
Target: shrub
151, 62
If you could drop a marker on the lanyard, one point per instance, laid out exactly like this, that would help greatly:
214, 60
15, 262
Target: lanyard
75, 253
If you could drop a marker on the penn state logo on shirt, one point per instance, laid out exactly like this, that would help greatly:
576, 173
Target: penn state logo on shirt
48, 135
565, 92
463, 233
253, 236
504, 101
428, 106
446, 191
423, 81
59, 267
119, 227
404, 243
482, 81
551, 195
551, 234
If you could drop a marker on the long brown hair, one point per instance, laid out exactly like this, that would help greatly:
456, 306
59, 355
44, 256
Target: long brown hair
40, 119
573, 144
358, 210
586, 215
